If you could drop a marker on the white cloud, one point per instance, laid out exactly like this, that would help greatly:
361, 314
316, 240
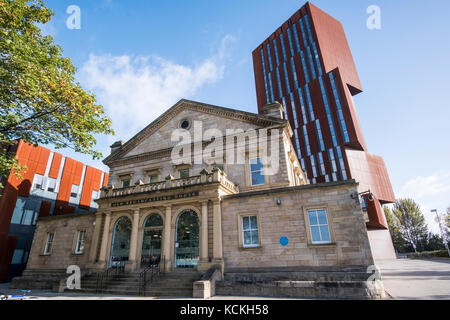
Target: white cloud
137, 89
430, 192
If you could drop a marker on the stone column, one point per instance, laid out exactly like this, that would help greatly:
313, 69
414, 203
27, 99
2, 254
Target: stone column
95, 238
203, 263
105, 237
167, 237
204, 232
132, 259
217, 230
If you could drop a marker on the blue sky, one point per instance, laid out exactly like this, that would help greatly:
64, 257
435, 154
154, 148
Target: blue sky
140, 57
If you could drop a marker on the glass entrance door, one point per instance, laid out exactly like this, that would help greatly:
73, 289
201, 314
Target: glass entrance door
151, 243
120, 247
151, 247
187, 240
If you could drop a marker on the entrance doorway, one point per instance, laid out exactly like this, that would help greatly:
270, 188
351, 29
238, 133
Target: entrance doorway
187, 240
152, 241
120, 247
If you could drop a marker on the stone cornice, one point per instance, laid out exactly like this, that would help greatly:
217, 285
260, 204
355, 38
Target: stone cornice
351, 182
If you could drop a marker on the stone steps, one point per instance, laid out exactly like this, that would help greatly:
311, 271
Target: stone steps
177, 284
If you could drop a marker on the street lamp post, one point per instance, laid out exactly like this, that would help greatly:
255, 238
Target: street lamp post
444, 236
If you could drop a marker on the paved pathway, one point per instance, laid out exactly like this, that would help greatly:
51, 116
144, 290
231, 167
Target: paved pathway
416, 278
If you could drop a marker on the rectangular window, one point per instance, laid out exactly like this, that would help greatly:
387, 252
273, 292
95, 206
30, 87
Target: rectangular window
283, 48
291, 47
265, 76
275, 48
305, 137
294, 109
28, 217
313, 166
51, 184
310, 106
318, 225
184, 173
153, 178
271, 88
333, 164
328, 112
49, 243
321, 164
80, 242
269, 56
126, 183
74, 191
38, 182
17, 256
250, 232
257, 172
95, 194
339, 109
319, 135
302, 106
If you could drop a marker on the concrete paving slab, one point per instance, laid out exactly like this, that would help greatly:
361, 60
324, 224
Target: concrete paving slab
416, 278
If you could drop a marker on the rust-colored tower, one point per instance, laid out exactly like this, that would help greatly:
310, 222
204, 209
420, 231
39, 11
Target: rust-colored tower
307, 66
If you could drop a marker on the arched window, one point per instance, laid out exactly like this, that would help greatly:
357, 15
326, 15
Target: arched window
120, 247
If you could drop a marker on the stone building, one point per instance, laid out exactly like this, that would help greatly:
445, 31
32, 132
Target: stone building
248, 212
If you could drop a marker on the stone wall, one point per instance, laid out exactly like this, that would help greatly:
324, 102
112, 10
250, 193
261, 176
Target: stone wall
65, 229
349, 247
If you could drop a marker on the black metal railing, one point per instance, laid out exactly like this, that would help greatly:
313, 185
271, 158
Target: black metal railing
103, 278
148, 274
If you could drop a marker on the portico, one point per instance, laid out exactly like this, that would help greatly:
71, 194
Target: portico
177, 222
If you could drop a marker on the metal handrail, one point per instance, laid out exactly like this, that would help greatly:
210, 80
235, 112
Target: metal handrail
104, 277
147, 275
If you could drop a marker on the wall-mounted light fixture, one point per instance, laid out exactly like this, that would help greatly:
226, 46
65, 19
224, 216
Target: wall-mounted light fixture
356, 195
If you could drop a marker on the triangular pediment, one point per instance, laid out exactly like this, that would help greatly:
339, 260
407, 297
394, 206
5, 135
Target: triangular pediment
157, 135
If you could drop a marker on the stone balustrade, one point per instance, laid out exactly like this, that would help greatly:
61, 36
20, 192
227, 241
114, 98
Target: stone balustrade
216, 176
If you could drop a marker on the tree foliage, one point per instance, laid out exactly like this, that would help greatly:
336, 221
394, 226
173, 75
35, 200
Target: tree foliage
40, 102
408, 222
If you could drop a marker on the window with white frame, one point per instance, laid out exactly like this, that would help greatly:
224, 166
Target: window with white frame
51, 184
257, 172
79, 248
95, 194
38, 182
49, 243
250, 237
318, 225
74, 191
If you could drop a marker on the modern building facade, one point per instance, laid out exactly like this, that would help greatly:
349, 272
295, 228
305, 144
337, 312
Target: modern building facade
245, 218
52, 185
307, 66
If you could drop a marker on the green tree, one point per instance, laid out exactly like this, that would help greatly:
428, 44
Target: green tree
399, 242
40, 102
433, 242
411, 222
447, 223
